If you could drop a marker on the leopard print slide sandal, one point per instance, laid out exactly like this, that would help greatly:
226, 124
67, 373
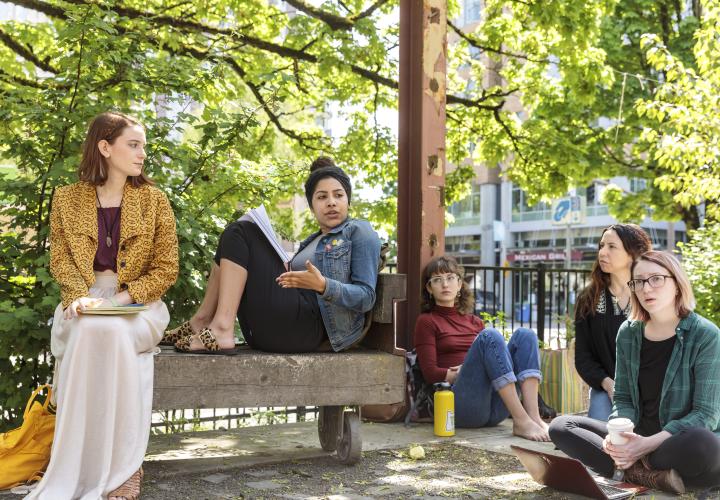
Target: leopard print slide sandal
207, 337
170, 337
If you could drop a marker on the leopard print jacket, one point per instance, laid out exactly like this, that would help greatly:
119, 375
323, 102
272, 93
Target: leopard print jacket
147, 260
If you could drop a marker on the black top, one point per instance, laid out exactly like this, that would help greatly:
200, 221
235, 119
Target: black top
654, 359
595, 342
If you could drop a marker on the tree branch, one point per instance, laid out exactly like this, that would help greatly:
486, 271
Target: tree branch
515, 140
369, 11
18, 80
26, 53
477, 103
609, 151
39, 6
254, 88
280, 50
334, 21
473, 42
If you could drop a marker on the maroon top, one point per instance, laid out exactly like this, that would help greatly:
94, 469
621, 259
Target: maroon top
106, 256
443, 337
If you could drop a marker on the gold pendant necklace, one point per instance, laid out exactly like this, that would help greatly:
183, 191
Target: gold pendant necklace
108, 231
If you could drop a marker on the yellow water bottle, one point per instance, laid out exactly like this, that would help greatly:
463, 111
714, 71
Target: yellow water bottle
444, 410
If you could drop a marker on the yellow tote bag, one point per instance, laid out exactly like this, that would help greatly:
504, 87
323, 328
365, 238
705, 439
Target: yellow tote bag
25, 451
562, 388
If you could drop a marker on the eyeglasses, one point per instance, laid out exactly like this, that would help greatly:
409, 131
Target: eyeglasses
655, 281
448, 278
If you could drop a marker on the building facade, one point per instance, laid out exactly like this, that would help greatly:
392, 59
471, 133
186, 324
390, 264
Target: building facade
495, 225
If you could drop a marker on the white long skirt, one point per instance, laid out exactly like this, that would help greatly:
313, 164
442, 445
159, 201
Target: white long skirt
103, 387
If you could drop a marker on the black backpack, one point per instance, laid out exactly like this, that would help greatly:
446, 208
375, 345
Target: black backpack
421, 392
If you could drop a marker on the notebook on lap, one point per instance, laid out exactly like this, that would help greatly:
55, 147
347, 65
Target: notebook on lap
570, 475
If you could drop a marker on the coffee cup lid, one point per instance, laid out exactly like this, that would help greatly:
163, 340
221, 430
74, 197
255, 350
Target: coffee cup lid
620, 422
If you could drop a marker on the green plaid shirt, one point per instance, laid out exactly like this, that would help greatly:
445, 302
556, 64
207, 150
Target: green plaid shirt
690, 394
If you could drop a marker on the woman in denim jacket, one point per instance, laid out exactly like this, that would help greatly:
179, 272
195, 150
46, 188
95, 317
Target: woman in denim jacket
322, 296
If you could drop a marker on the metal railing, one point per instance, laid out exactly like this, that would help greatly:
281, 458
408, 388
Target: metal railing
192, 420
538, 297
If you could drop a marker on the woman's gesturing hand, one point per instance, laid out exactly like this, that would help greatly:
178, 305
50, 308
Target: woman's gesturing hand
79, 305
312, 279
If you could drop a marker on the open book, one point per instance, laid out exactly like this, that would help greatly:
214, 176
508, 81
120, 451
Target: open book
260, 217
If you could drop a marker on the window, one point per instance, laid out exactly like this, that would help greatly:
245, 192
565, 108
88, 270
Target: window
637, 185
467, 210
520, 206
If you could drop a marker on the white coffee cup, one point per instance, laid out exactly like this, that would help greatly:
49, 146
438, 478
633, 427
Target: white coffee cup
617, 425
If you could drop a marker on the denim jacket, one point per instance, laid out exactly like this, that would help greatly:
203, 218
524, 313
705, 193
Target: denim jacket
348, 257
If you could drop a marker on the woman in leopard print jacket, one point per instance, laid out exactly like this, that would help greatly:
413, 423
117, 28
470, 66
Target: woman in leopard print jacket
112, 243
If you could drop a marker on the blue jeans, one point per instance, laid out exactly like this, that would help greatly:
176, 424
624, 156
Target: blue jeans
490, 365
600, 405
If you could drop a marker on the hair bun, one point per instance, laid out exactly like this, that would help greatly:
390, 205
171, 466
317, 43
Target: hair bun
322, 162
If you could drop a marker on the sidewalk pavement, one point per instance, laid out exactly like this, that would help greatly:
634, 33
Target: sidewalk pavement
286, 461
213, 452
249, 446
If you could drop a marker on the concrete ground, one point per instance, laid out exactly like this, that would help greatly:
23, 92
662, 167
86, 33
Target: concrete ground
215, 457
285, 461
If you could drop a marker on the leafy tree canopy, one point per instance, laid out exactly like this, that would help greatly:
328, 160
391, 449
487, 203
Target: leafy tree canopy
234, 94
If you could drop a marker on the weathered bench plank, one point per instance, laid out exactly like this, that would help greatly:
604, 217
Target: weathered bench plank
390, 288
254, 378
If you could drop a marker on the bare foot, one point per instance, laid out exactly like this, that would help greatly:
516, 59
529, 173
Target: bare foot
529, 429
197, 324
541, 423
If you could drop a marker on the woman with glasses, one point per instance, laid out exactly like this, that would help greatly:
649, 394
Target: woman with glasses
601, 308
454, 346
667, 382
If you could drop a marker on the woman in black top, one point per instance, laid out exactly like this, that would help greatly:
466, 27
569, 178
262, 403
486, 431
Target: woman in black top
602, 307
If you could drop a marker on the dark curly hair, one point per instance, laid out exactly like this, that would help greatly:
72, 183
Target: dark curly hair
464, 303
322, 168
635, 241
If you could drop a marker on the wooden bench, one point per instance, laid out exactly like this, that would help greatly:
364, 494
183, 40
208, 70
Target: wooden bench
339, 383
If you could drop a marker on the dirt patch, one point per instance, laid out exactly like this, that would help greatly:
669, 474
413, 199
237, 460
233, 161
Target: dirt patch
447, 471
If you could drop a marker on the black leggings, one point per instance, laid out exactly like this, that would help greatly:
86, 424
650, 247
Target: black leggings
272, 318
694, 453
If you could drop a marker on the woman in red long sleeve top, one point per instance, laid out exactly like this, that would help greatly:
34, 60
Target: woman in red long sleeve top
453, 345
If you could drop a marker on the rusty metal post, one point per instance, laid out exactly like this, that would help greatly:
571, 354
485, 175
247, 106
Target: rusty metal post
421, 149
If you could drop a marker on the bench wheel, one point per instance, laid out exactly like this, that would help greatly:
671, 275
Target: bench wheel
329, 426
350, 446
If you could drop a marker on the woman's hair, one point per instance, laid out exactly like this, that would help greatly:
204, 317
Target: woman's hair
322, 168
684, 299
464, 303
635, 241
106, 126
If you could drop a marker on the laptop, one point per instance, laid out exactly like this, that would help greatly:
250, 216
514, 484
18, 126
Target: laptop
570, 475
